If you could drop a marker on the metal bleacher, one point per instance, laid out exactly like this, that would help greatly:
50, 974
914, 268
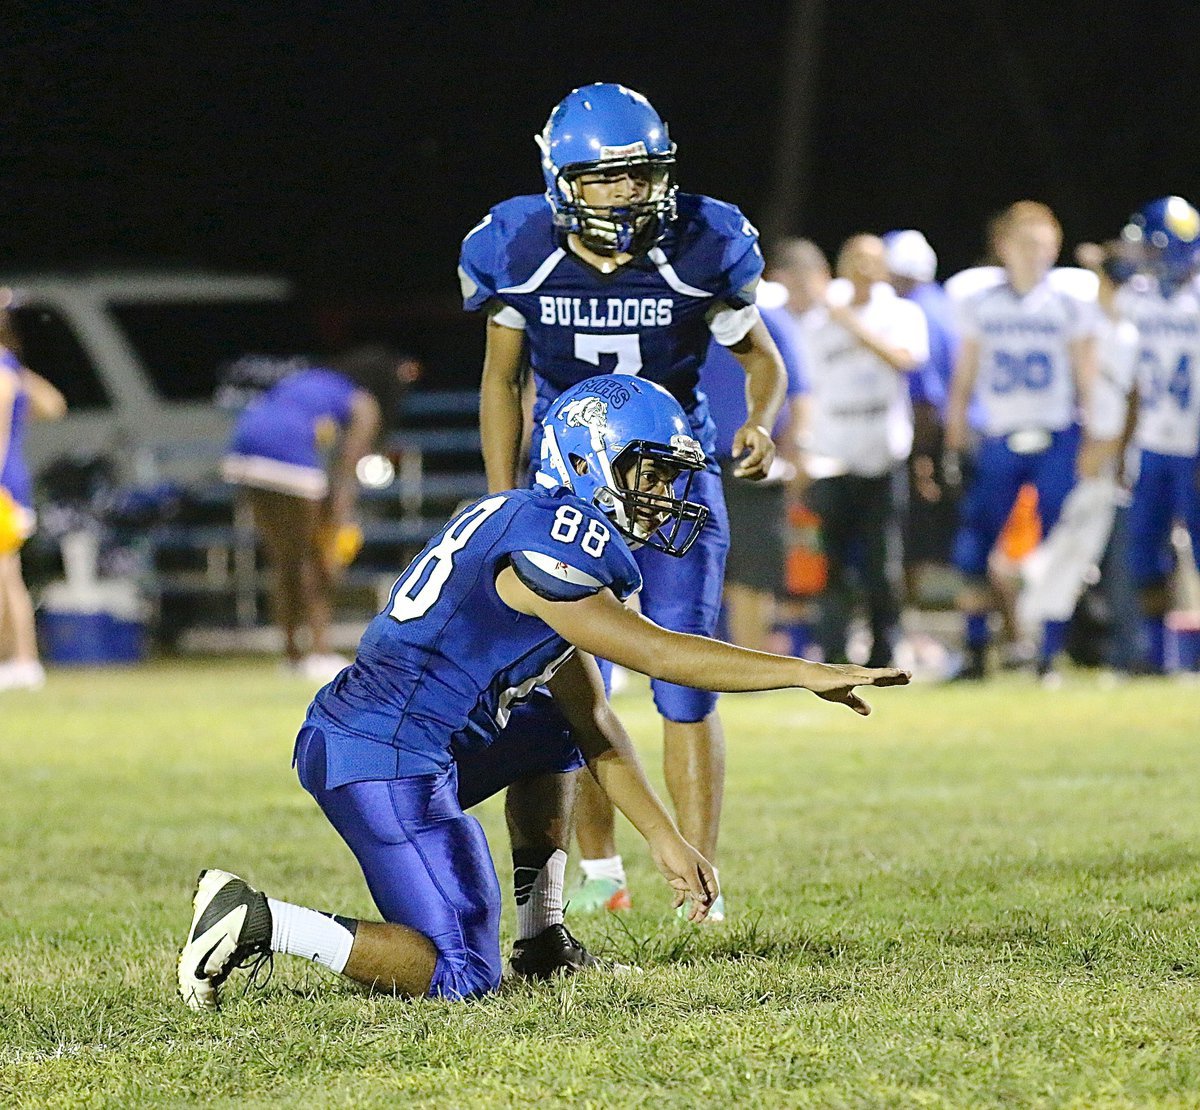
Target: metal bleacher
203, 567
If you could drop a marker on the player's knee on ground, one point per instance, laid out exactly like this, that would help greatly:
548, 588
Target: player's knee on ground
682, 704
458, 979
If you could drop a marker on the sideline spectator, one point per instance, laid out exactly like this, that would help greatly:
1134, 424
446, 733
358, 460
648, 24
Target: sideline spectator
754, 568
303, 509
932, 512
860, 342
23, 394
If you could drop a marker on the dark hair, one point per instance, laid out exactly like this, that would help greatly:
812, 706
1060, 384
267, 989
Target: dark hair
372, 366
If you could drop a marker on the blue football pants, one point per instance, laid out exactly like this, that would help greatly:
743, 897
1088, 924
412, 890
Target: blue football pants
427, 863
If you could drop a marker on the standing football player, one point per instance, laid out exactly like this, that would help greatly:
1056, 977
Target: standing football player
1028, 354
1164, 304
516, 593
612, 269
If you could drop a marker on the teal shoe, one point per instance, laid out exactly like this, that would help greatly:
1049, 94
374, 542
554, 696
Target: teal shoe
599, 896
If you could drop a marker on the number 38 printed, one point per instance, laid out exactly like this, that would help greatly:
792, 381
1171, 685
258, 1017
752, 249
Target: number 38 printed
566, 527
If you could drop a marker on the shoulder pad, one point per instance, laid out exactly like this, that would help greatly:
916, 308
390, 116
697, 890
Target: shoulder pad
554, 579
732, 245
1081, 284
967, 283
492, 254
563, 549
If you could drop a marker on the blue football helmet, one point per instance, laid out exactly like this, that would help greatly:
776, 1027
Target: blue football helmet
1167, 233
618, 442
599, 129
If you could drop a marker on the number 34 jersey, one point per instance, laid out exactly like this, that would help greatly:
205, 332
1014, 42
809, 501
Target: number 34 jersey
1168, 366
652, 316
445, 660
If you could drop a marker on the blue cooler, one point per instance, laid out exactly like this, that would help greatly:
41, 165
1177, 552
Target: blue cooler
97, 623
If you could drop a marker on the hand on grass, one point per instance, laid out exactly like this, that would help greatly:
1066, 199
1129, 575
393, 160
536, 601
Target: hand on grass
689, 874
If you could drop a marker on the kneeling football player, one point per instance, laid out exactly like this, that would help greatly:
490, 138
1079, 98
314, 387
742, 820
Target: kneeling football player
478, 672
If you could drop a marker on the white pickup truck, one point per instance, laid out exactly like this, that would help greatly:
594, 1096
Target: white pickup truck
137, 355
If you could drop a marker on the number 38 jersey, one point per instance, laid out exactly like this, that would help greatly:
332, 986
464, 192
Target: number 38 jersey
445, 660
1168, 366
653, 316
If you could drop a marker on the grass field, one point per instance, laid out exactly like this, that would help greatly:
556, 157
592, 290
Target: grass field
979, 896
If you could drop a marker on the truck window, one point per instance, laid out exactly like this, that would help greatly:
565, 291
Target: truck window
184, 346
49, 347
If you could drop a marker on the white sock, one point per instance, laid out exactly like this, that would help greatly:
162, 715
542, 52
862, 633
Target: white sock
540, 895
610, 867
315, 936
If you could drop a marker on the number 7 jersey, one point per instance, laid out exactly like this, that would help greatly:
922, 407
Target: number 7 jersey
445, 660
652, 316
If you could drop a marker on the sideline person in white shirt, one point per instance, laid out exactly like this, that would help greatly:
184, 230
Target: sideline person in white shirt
860, 342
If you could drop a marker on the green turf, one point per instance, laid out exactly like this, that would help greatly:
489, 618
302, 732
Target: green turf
979, 896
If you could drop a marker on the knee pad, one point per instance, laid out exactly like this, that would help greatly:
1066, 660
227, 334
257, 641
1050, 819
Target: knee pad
682, 704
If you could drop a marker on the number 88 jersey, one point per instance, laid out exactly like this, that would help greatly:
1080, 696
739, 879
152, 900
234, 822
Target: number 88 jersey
444, 661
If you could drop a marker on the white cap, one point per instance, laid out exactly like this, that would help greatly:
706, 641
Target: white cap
910, 255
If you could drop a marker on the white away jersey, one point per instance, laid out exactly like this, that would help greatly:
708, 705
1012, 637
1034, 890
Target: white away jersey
1025, 378
1168, 366
859, 409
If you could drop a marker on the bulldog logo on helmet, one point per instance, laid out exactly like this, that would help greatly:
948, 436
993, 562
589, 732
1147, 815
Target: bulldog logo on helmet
586, 412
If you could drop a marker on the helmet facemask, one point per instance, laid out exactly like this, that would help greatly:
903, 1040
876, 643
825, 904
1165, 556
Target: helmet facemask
629, 228
646, 495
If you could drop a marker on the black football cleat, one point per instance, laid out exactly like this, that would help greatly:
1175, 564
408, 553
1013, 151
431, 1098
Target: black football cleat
552, 952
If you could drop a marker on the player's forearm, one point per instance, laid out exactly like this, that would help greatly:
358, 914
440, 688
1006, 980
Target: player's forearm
46, 402
1086, 370
897, 358
706, 664
616, 768
766, 377
357, 440
501, 423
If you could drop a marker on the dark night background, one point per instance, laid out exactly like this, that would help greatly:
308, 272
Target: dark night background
351, 147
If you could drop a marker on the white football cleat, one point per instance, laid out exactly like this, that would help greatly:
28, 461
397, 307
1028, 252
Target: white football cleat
231, 925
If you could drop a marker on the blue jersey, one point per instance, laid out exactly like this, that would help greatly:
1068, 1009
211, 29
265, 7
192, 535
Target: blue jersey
439, 669
14, 475
651, 316
295, 418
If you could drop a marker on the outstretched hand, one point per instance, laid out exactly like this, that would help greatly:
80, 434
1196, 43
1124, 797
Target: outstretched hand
689, 874
836, 682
